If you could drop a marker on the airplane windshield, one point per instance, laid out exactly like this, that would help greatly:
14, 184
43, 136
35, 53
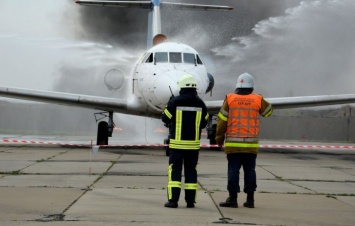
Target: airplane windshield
189, 58
198, 60
161, 57
175, 57
148, 58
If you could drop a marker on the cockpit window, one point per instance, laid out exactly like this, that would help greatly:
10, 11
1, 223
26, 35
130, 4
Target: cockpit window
175, 57
198, 60
189, 58
148, 58
161, 57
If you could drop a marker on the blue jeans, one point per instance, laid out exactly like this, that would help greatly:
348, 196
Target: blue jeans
235, 162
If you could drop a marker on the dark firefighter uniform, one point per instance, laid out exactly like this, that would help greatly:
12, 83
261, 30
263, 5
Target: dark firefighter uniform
186, 115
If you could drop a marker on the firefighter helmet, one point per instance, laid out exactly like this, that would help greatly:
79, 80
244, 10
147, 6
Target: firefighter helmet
245, 80
187, 81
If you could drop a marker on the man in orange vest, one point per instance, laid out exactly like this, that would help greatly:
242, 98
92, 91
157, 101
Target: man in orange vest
238, 130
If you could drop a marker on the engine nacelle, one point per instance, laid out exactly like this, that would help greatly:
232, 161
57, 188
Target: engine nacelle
210, 83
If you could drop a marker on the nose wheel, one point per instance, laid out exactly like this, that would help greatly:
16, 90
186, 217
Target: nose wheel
102, 133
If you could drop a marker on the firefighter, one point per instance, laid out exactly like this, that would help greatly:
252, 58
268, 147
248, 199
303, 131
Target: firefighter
238, 130
186, 115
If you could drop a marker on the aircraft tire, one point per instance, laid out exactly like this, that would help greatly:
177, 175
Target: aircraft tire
102, 133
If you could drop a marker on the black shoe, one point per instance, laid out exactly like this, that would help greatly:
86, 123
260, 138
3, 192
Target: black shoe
249, 204
190, 205
171, 204
250, 200
230, 202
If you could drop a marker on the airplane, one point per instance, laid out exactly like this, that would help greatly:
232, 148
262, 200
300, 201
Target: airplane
154, 77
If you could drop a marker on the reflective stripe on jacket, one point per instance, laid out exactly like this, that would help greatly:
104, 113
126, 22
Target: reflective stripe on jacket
187, 116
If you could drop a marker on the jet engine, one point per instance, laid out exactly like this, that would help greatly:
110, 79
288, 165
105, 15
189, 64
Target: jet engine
211, 83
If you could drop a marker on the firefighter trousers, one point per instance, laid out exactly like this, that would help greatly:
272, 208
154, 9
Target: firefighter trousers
186, 159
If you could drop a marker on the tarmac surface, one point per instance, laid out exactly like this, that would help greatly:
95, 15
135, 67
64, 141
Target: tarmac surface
72, 186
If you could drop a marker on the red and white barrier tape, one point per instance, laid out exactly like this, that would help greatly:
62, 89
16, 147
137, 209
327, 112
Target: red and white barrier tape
287, 146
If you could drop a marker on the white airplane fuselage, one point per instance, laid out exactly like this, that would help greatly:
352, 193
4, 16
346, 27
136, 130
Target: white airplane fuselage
155, 75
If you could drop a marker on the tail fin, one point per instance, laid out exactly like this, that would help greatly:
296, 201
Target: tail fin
154, 19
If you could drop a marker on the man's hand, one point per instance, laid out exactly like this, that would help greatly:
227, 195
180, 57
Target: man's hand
220, 142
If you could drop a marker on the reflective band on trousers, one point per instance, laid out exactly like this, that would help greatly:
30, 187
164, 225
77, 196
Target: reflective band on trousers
171, 183
241, 145
190, 186
174, 184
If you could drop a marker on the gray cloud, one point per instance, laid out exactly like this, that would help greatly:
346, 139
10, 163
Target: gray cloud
309, 51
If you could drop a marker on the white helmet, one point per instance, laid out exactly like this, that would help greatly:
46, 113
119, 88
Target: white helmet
245, 80
187, 81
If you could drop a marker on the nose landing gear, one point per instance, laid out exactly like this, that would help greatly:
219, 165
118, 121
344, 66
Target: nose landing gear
104, 129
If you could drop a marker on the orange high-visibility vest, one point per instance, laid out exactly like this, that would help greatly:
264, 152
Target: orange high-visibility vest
243, 117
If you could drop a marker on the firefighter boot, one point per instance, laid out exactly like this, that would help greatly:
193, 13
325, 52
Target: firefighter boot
250, 200
230, 202
171, 204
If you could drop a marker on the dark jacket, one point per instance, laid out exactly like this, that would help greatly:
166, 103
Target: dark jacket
186, 116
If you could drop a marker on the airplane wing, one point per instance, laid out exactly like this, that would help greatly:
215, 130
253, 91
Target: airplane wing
295, 102
69, 99
121, 105
148, 5
195, 6
126, 4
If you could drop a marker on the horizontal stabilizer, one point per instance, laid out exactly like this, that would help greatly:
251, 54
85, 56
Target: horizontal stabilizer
126, 4
149, 4
195, 6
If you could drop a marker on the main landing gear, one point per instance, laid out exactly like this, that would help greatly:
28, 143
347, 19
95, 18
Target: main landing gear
104, 129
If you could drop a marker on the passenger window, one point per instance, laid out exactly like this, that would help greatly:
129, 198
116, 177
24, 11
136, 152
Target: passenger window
189, 58
198, 60
175, 57
148, 58
161, 57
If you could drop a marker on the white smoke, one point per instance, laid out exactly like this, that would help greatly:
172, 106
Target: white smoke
309, 51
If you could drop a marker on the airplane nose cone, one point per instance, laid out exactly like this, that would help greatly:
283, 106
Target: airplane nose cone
164, 87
